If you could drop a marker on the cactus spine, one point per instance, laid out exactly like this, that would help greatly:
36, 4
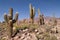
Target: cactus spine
41, 18
9, 21
32, 13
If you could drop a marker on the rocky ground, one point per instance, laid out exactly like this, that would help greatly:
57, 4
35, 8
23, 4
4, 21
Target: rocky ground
41, 33
33, 32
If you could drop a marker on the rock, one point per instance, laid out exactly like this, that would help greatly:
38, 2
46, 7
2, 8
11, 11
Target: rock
36, 30
22, 37
53, 30
42, 30
16, 38
33, 36
37, 33
58, 29
5, 38
28, 36
25, 30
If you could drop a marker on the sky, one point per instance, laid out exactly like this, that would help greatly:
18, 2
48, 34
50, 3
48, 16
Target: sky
47, 7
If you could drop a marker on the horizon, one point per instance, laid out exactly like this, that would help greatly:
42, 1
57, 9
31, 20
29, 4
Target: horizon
47, 7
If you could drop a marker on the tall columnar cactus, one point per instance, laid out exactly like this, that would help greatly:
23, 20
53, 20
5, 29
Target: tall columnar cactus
41, 18
9, 21
54, 20
32, 13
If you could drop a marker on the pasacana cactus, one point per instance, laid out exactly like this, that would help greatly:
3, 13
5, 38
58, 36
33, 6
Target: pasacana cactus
32, 13
41, 18
54, 20
10, 21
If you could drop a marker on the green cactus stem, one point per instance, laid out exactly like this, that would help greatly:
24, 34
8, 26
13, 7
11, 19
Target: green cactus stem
10, 21
32, 13
41, 18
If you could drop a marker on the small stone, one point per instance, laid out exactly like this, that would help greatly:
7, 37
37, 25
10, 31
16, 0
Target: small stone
26, 29
36, 30
16, 38
23, 30
28, 34
38, 33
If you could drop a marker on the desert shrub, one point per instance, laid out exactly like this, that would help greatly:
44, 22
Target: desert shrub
3, 38
49, 37
53, 38
48, 28
33, 26
23, 26
46, 34
39, 37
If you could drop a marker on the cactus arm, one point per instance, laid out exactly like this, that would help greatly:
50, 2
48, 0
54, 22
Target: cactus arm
16, 17
33, 11
9, 17
30, 6
11, 13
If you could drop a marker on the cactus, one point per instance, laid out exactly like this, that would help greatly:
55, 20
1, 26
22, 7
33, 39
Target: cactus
32, 13
54, 20
9, 21
41, 19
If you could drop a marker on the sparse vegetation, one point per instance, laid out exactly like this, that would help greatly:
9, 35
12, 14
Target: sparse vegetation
34, 26
23, 26
40, 29
51, 38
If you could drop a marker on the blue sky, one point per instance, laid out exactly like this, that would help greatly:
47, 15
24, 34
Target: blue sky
47, 7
